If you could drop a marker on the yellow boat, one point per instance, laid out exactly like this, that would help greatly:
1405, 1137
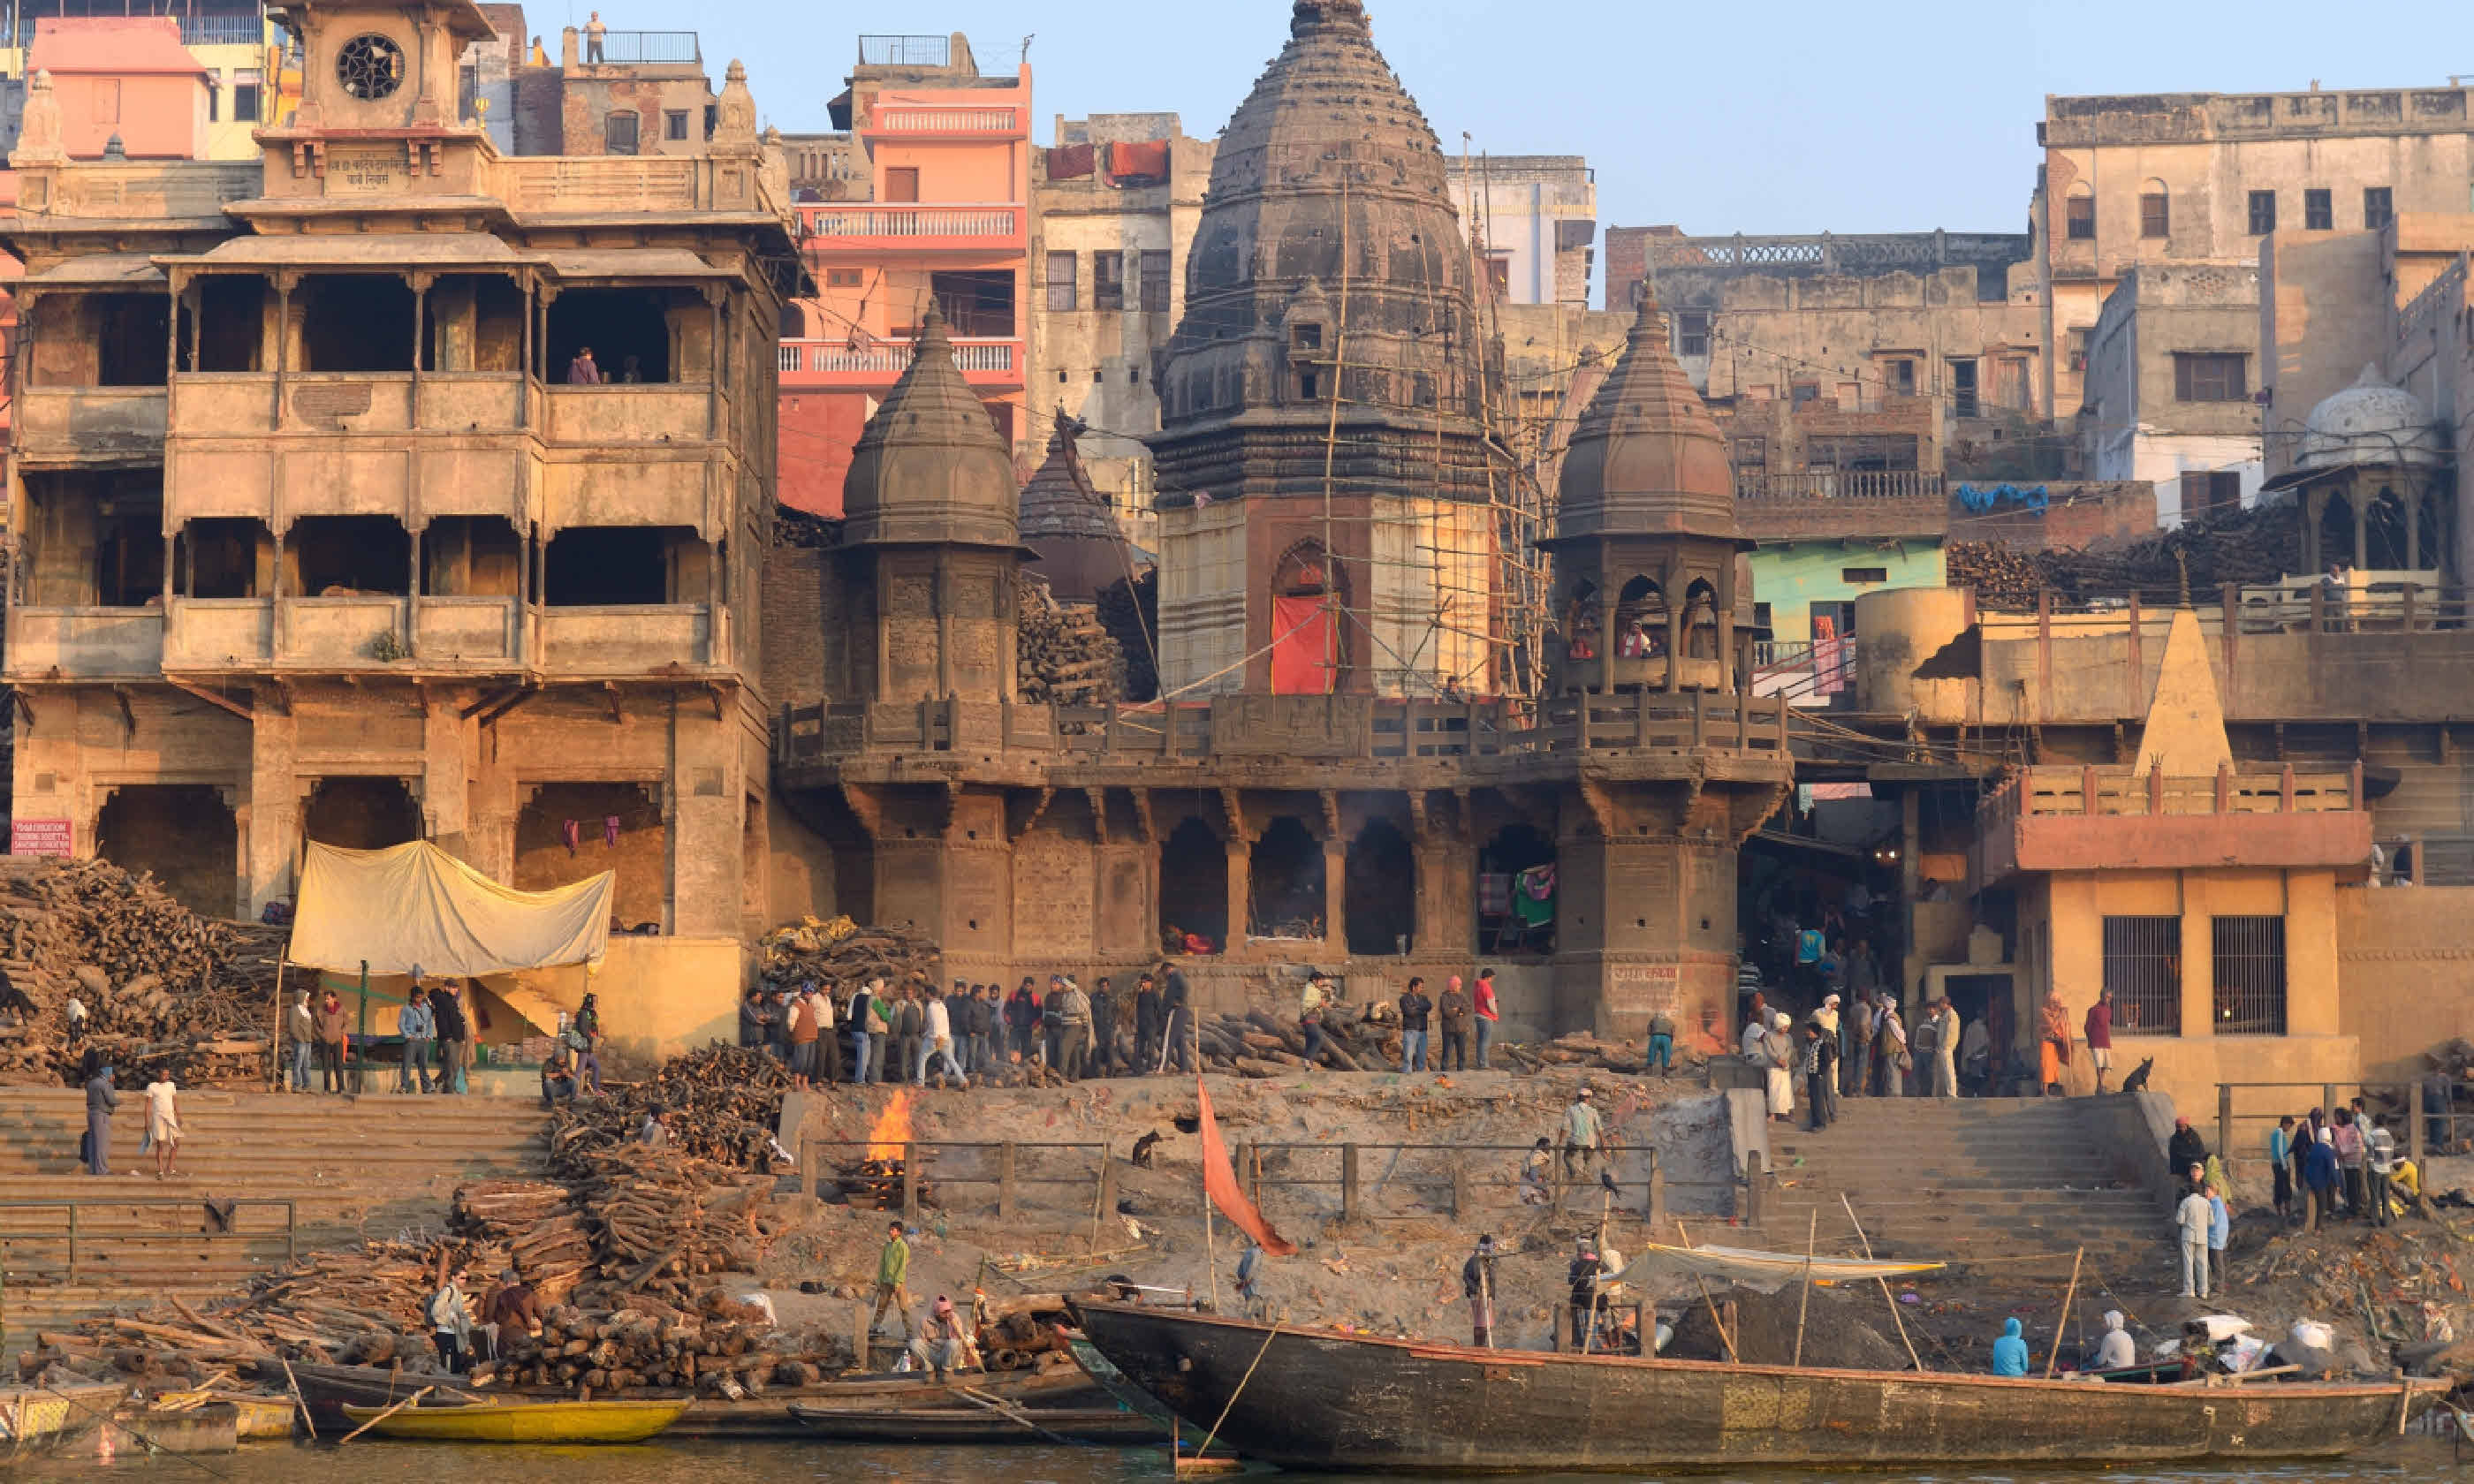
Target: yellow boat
525, 1422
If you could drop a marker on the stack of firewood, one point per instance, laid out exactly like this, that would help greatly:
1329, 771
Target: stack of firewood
2245, 547
720, 1104
536, 1222
2007, 577
712, 1346
1063, 655
164, 988
657, 1219
842, 955
1129, 610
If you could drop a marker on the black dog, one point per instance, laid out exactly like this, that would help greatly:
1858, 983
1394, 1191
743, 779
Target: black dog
2138, 1077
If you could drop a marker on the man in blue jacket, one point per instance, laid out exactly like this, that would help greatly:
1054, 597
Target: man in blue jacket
2010, 1352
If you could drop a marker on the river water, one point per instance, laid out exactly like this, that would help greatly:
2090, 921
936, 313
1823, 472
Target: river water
371, 1462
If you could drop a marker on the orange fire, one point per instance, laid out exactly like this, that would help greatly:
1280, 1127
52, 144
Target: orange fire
892, 1128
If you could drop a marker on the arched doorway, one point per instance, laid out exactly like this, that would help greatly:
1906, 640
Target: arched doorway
1193, 887
183, 833
2385, 534
1309, 649
1286, 881
1503, 923
1379, 890
361, 813
1701, 620
1639, 633
2337, 532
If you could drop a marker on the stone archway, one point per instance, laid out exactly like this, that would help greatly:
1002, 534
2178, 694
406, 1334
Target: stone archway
361, 813
1379, 890
184, 835
1193, 885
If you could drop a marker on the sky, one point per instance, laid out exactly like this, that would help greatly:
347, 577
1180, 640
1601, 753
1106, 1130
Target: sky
1788, 117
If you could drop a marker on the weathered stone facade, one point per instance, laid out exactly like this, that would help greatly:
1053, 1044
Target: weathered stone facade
318, 535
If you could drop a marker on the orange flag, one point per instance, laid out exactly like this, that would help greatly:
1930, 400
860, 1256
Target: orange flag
1219, 1183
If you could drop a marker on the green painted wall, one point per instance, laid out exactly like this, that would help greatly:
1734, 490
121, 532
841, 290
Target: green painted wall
1792, 576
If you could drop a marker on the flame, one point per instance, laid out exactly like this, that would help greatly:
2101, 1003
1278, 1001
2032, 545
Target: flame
892, 1128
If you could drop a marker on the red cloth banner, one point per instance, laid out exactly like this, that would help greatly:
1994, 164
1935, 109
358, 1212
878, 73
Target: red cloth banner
1219, 1183
1301, 649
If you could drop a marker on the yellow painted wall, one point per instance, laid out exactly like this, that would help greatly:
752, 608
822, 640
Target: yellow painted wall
2405, 972
2061, 924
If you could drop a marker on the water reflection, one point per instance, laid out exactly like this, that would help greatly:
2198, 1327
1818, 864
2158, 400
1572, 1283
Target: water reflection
416, 1463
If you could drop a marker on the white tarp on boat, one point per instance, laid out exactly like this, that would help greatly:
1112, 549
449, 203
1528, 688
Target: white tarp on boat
1762, 1272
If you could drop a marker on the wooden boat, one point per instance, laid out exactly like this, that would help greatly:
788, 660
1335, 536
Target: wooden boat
254, 1417
954, 1425
1129, 1396
35, 1420
1315, 1399
328, 1390
523, 1421
213, 1427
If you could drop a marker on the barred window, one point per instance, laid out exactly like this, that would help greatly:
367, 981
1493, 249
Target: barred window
1155, 266
1107, 281
2249, 956
1062, 268
2143, 968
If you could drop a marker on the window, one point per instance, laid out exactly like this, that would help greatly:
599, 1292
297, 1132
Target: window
2211, 376
1499, 274
618, 134
1107, 281
1805, 391
2262, 213
2379, 207
844, 278
1063, 268
1155, 264
1900, 377
1853, 575
2318, 211
1306, 337
1963, 389
214, 101
2143, 968
674, 124
2078, 218
2078, 343
2155, 214
2207, 491
2249, 956
902, 182
1692, 333
248, 87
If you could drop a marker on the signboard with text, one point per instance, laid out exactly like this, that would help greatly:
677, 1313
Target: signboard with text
40, 837
365, 169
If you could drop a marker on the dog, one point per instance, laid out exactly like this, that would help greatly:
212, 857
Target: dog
2138, 1077
1142, 1150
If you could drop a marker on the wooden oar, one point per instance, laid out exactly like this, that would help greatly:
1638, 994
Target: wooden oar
382, 1416
1008, 1411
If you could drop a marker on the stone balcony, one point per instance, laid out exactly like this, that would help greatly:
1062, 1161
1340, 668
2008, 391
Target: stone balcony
2067, 819
59, 427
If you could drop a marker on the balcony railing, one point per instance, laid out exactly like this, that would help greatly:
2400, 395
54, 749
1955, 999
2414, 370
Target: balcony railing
907, 222
643, 47
888, 358
946, 121
1839, 485
223, 31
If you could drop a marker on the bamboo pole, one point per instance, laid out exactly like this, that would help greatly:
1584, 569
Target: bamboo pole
1716, 1320
1888, 1297
1211, 1248
1812, 1239
2054, 1355
382, 1416
293, 1383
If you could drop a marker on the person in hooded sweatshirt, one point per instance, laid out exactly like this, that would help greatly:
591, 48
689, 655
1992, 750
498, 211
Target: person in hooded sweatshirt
2117, 1351
2010, 1352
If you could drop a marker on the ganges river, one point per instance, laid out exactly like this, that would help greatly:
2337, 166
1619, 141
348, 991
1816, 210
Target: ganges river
710, 1463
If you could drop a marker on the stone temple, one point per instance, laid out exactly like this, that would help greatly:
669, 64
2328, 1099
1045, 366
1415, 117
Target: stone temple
1363, 800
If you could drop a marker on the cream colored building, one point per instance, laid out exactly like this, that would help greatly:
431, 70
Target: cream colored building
2170, 386
2179, 177
320, 531
1533, 218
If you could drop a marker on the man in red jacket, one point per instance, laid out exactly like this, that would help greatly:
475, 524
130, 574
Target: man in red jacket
2100, 1035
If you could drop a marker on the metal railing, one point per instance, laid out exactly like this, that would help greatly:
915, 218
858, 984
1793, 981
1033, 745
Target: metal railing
223, 30
924, 1164
888, 357
947, 121
80, 1238
2421, 1125
906, 50
1640, 720
1840, 484
641, 47
993, 220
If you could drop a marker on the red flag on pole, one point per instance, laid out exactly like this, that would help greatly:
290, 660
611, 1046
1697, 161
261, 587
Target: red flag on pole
1219, 1183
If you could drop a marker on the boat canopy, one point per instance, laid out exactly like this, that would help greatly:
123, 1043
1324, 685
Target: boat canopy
1762, 1272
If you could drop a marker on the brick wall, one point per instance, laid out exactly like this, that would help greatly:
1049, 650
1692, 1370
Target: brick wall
793, 606
538, 91
2077, 513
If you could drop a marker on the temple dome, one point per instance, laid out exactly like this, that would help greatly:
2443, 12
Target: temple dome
1066, 521
2370, 422
1646, 457
931, 467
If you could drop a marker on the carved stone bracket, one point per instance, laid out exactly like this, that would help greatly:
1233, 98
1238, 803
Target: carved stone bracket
1330, 816
1038, 809
867, 808
1602, 808
1098, 799
1142, 800
1777, 796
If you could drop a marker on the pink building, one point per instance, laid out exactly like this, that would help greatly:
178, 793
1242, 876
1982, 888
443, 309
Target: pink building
126, 76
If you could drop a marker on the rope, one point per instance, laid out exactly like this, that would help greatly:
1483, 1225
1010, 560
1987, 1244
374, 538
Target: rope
1208, 1437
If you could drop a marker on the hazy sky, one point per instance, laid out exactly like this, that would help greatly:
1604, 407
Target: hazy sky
1781, 117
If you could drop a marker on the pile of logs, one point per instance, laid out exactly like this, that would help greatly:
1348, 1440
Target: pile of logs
162, 986
657, 1219
721, 1104
713, 1346
842, 955
537, 1223
1012, 1333
1063, 655
1129, 610
2247, 547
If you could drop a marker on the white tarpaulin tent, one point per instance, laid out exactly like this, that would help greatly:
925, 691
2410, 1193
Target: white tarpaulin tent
1762, 1272
417, 906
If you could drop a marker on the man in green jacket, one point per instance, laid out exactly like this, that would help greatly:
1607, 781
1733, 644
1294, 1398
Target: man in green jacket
892, 1273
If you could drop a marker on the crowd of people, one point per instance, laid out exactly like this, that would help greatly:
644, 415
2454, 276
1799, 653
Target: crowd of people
879, 1033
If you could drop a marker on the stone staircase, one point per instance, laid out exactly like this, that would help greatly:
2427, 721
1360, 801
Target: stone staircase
351, 1167
1974, 1178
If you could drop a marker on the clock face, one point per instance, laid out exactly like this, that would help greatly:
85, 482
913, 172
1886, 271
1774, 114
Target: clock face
369, 66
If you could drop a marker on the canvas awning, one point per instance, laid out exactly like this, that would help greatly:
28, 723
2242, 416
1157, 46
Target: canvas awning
416, 907
1762, 1272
